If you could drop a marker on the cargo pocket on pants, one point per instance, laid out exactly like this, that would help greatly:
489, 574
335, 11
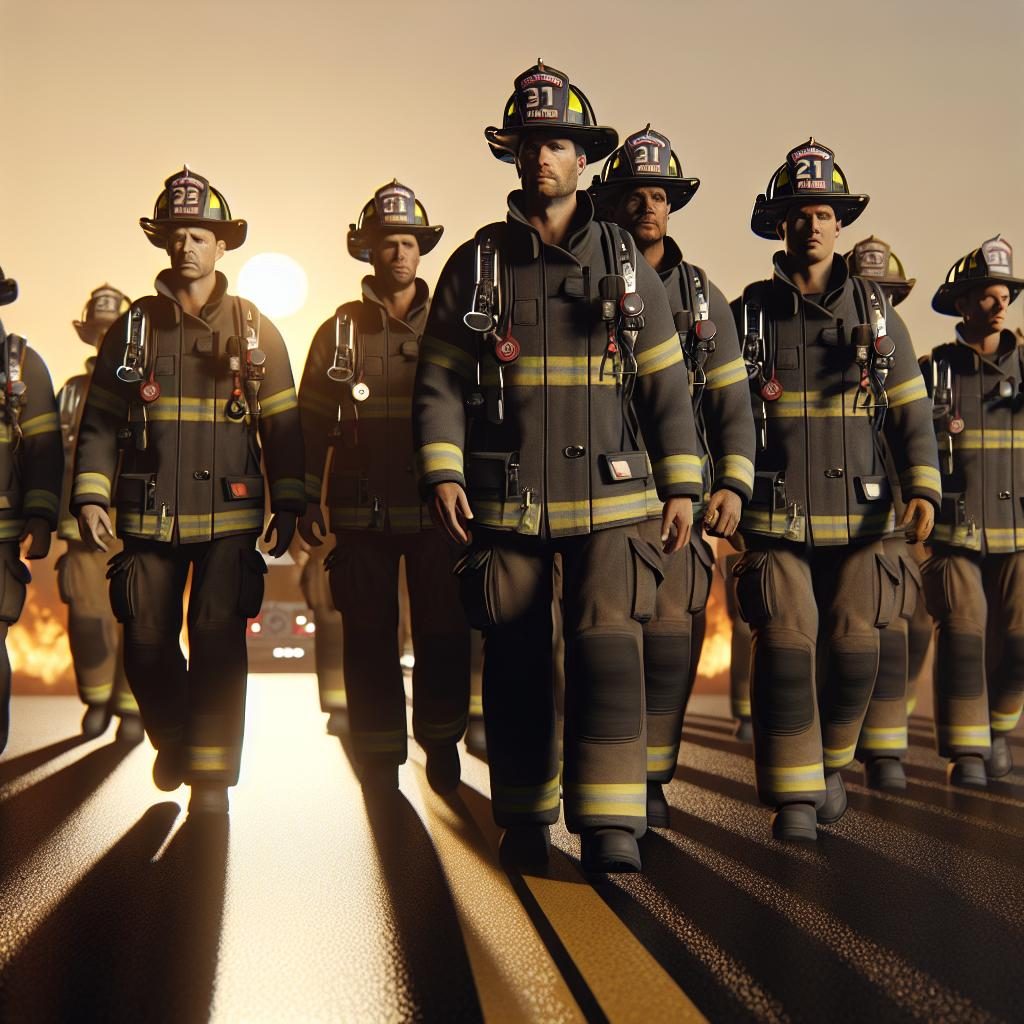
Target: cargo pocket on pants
63, 583
250, 584
475, 575
12, 597
753, 588
121, 573
911, 586
703, 568
888, 591
648, 574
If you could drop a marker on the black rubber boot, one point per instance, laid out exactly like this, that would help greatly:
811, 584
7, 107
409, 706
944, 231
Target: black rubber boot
608, 850
476, 738
95, 721
968, 770
744, 730
208, 798
795, 823
525, 846
443, 768
835, 799
657, 806
337, 723
379, 777
167, 769
130, 731
885, 773
1000, 761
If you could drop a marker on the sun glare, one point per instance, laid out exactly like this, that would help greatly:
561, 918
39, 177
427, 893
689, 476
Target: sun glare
275, 282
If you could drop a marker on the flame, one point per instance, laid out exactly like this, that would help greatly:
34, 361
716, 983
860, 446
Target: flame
38, 647
717, 651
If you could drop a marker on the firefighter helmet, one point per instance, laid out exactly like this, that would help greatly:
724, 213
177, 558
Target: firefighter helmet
990, 263
105, 305
810, 175
393, 210
645, 159
189, 199
544, 102
875, 261
8, 289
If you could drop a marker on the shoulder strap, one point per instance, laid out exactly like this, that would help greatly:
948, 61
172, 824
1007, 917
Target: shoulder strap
696, 296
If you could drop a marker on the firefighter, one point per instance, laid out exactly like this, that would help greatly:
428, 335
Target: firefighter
831, 366
95, 636
974, 579
31, 464
355, 401
552, 340
903, 644
640, 186
192, 388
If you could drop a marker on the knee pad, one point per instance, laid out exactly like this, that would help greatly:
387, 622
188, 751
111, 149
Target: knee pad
783, 691
666, 672
853, 680
960, 660
891, 683
604, 696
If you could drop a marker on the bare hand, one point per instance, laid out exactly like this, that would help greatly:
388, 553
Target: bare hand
283, 524
677, 514
39, 530
94, 526
918, 520
314, 517
722, 515
449, 508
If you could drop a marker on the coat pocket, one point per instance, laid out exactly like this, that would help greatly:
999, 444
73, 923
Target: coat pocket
475, 573
703, 569
253, 570
754, 596
121, 573
136, 492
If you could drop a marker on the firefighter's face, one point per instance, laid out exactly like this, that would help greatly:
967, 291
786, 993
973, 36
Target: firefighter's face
395, 259
984, 308
644, 214
550, 168
194, 252
810, 232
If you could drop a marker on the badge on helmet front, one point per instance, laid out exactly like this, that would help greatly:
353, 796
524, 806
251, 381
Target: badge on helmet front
811, 169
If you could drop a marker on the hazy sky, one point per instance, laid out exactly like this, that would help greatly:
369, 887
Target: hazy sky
298, 111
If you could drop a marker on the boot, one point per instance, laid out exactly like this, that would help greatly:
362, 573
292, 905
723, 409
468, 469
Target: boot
609, 850
1000, 761
95, 721
968, 770
835, 799
379, 777
208, 798
885, 773
657, 806
167, 769
744, 730
794, 823
443, 768
525, 846
337, 723
130, 731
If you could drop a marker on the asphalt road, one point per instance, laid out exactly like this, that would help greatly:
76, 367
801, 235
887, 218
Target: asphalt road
312, 906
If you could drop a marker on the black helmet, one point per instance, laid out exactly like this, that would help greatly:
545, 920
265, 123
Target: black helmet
645, 159
8, 289
990, 263
875, 261
544, 101
188, 198
393, 210
105, 305
809, 175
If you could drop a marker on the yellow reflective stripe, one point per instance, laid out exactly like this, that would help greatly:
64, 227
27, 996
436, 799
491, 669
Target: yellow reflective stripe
288, 489
476, 704
211, 759
838, 757
146, 525
989, 438
729, 373
11, 529
67, 528
799, 778
314, 485
738, 467
501, 514
407, 517
334, 697
98, 694
439, 457
106, 401
678, 469
279, 402
349, 517
1003, 722
957, 536
47, 423
876, 738
911, 704
41, 499
661, 758
171, 408
967, 735
442, 730
741, 708
599, 510
126, 703
526, 799
383, 742
552, 371
909, 391
620, 799
1002, 540
316, 402
921, 478
448, 357
660, 357
92, 483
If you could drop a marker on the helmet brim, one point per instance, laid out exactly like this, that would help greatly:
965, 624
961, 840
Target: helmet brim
231, 232
360, 242
597, 141
944, 300
8, 290
768, 213
678, 190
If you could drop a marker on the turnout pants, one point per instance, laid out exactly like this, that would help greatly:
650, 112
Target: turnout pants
328, 640
95, 636
672, 647
14, 577
200, 703
364, 579
609, 586
884, 733
978, 605
815, 616
739, 662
